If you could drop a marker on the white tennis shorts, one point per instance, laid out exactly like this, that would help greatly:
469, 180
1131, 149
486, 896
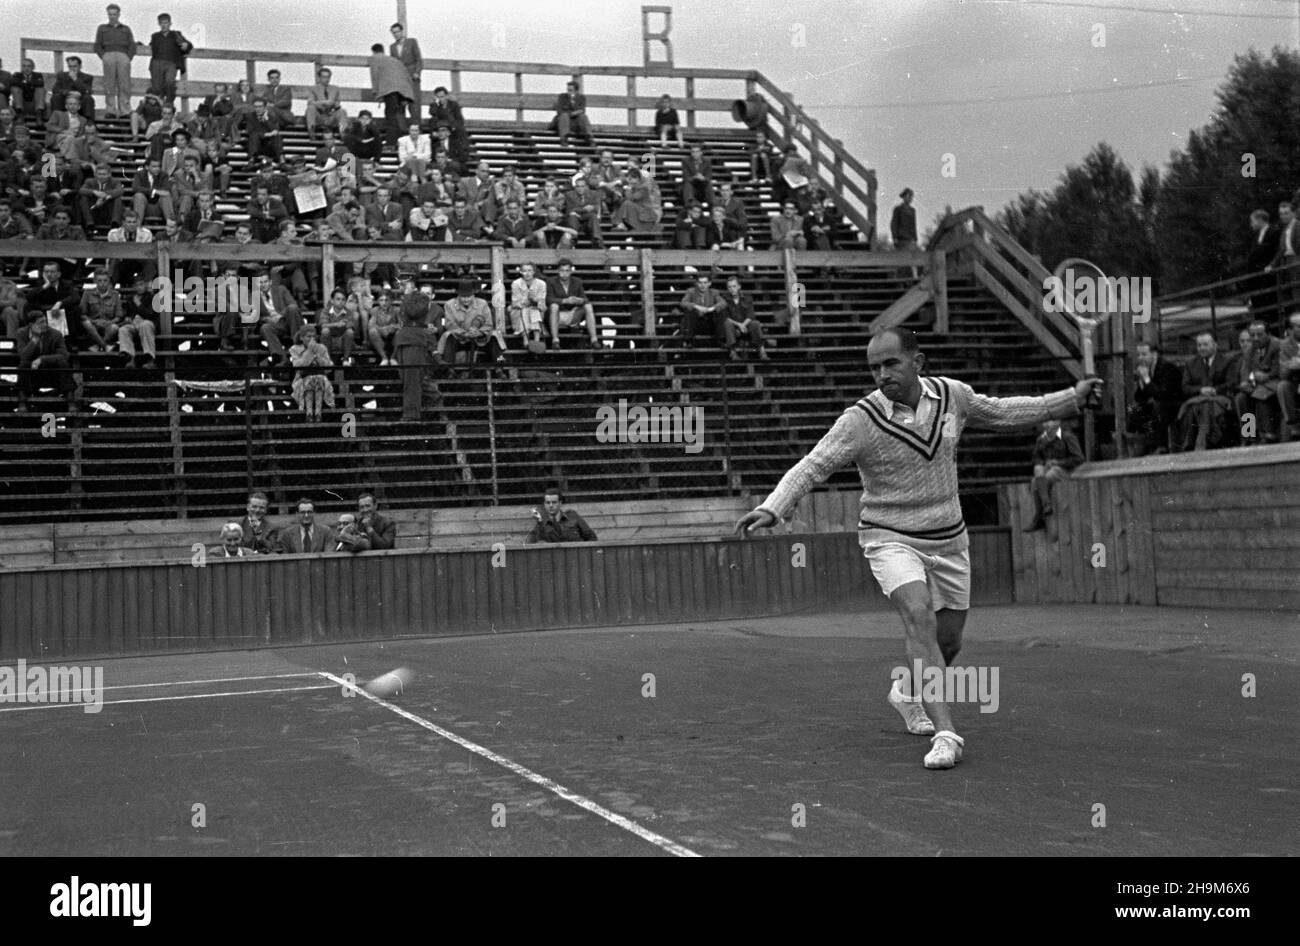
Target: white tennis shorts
947, 576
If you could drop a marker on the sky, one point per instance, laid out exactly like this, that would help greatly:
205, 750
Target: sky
965, 101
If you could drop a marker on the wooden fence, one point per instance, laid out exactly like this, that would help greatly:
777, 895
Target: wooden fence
274, 601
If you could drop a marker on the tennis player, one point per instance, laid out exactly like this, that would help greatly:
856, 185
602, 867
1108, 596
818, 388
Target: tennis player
903, 437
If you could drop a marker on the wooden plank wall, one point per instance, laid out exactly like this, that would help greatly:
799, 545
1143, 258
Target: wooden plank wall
65, 543
1215, 530
78, 610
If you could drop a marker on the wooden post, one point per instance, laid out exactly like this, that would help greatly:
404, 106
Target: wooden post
793, 292
455, 79
939, 276
163, 260
631, 105
648, 290
178, 454
250, 73
690, 101
326, 271
519, 91
1122, 331
499, 291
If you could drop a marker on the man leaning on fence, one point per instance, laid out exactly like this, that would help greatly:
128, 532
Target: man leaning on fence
557, 524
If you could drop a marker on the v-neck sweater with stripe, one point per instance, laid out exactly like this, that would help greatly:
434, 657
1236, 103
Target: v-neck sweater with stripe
909, 472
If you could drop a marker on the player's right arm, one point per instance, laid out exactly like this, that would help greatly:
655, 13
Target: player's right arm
839, 446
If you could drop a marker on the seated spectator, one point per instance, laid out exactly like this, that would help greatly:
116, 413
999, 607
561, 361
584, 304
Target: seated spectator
446, 157
151, 188
1056, 453
445, 111
100, 200
323, 105
279, 98
569, 306
347, 221
379, 530
702, 302
763, 158
465, 223
259, 534
149, 110
364, 138
73, 81
63, 126
188, 184
43, 362
550, 195
571, 115
1289, 378
697, 177
159, 133
469, 327
216, 113
733, 207
688, 234
61, 227
738, 308
721, 233
514, 229
435, 188
204, 220
558, 524
12, 306
416, 347
507, 189
281, 319
787, 229
1209, 385
553, 234
13, 226
57, 302
415, 151
306, 535
528, 307
311, 383
607, 180
667, 122
582, 210
37, 205
265, 211
1157, 396
182, 147
386, 214
102, 305
586, 169
429, 223
382, 326
216, 166
348, 537
819, 227
642, 208
263, 126
1257, 386
479, 192
232, 543
793, 180
337, 327
27, 91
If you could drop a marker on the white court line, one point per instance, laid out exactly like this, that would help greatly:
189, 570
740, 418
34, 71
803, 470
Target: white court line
160, 699
613, 817
181, 683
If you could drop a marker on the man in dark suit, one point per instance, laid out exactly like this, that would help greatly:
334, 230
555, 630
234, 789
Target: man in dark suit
74, 80
1257, 390
261, 535
307, 535
43, 362
263, 128
1056, 453
1286, 255
569, 306
571, 114
407, 51
378, 530
1157, 396
168, 49
1209, 383
1259, 254
902, 223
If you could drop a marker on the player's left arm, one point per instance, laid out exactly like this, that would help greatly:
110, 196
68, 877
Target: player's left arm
1011, 413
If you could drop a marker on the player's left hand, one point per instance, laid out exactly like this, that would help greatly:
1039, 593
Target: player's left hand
758, 519
1088, 391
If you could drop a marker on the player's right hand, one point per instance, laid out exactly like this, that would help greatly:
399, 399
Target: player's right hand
758, 519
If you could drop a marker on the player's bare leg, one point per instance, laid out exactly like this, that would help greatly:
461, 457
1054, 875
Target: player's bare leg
921, 625
949, 625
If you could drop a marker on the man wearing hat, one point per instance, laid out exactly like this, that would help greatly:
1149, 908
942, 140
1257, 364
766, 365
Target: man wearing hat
902, 226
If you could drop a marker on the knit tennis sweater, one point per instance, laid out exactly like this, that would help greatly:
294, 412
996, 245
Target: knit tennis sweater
909, 472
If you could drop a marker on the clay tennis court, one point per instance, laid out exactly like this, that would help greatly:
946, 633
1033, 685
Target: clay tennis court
1137, 709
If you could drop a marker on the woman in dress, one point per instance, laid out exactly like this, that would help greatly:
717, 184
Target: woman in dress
642, 207
311, 384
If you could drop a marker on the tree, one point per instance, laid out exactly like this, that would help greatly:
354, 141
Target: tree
1097, 212
1246, 158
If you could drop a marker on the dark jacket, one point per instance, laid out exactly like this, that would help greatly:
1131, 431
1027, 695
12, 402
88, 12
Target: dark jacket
1165, 387
50, 348
1219, 374
569, 527
263, 541
323, 539
382, 532
1261, 252
1065, 450
167, 48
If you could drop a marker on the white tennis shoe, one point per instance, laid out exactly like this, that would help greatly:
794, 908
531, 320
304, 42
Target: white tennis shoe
945, 750
910, 708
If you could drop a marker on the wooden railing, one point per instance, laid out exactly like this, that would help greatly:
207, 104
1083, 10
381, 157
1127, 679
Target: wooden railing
834, 167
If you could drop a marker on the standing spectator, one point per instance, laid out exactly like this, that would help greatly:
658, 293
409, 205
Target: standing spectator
232, 543
703, 302
43, 362
470, 326
787, 229
558, 524
168, 49
407, 52
697, 177
1288, 245
260, 534
667, 123
1056, 453
337, 326
528, 307
1209, 385
1260, 250
720, 233
416, 348
569, 306
1157, 396
571, 115
306, 536
902, 225
311, 383
1257, 392
390, 83
323, 105
379, 530
73, 80
1289, 378
738, 308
